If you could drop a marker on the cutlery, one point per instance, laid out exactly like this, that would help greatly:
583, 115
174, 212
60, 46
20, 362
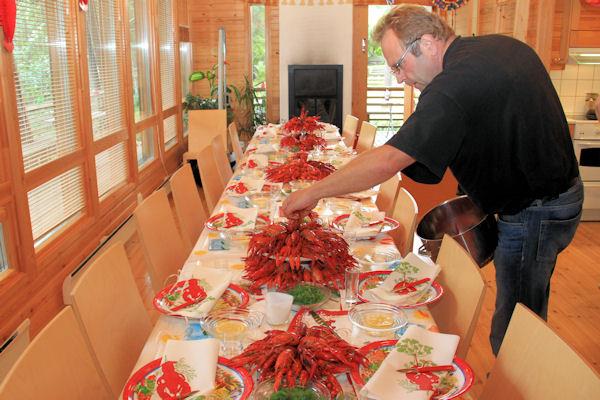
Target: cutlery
422, 370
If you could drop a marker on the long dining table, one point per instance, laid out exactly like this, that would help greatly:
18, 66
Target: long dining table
265, 142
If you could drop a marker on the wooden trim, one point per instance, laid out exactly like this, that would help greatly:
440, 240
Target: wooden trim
54, 168
409, 101
108, 141
565, 34
360, 32
184, 33
543, 42
521, 21
272, 62
584, 39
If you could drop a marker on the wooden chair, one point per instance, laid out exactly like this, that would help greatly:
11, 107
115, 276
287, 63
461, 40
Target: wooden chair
56, 365
13, 347
220, 155
405, 212
388, 192
235, 144
366, 137
189, 209
534, 363
107, 303
212, 183
349, 130
458, 309
163, 246
204, 125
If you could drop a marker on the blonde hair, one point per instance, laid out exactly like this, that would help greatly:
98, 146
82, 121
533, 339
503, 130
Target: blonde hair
409, 23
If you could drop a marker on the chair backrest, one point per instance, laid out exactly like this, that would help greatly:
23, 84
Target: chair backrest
14, 346
56, 365
534, 363
405, 212
221, 159
163, 246
235, 143
212, 184
388, 192
349, 130
189, 209
458, 309
204, 125
108, 305
366, 137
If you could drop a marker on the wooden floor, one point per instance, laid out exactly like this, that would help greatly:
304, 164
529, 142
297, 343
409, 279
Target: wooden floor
574, 310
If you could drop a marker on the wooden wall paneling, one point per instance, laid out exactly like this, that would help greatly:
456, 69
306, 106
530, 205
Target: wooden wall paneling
544, 29
360, 43
272, 67
584, 39
561, 31
487, 17
521, 20
584, 17
182, 13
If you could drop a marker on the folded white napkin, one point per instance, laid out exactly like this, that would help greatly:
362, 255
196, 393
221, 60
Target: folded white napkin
364, 224
187, 366
247, 215
214, 282
245, 186
431, 348
411, 269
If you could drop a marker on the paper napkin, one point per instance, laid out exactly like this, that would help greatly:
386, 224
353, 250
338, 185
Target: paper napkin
245, 186
246, 216
429, 348
410, 269
257, 161
214, 282
364, 224
187, 366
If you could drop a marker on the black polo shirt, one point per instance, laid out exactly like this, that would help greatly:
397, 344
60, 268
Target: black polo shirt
493, 117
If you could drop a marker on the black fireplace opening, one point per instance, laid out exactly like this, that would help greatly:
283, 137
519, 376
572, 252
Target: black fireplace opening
318, 89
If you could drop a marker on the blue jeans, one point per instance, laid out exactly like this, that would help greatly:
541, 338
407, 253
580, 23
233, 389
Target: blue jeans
528, 243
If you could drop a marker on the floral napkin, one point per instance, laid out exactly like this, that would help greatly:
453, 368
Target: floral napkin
245, 186
213, 282
364, 224
235, 219
410, 269
416, 344
257, 161
187, 366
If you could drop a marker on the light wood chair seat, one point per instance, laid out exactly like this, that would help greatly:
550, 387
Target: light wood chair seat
388, 193
189, 209
163, 245
366, 137
204, 125
221, 159
349, 130
212, 184
108, 305
56, 365
464, 288
534, 363
235, 144
405, 212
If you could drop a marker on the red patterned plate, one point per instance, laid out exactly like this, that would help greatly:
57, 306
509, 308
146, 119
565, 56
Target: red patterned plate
215, 223
454, 384
235, 383
234, 296
369, 280
339, 223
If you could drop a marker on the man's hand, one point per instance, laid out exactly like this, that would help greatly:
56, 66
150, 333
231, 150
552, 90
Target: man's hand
298, 204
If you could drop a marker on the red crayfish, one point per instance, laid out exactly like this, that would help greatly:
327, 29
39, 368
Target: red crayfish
302, 123
299, 168
238, 188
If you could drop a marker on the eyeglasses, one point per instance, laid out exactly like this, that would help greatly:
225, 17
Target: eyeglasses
397, 67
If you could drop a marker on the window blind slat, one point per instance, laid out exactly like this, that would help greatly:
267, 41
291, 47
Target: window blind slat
111, 167
170, 128
166, 37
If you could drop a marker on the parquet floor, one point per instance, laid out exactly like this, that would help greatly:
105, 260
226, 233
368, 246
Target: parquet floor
574, 310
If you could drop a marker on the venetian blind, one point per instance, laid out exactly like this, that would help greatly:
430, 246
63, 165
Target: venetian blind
166, 39
111, 167
55, 204
170, 128
105, 55
44, 83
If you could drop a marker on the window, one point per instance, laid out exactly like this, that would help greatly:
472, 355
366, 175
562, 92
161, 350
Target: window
259, 60
139, 31
109, 167
3, 256
166, 39
185, 65
44, 83
145, 147
56, 204
170, 129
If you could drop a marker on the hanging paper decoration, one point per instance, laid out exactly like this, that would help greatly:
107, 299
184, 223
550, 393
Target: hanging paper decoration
449, 5
83, 4
8, 17
593, 3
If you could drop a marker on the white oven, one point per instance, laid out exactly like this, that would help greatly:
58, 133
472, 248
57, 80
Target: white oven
586, 142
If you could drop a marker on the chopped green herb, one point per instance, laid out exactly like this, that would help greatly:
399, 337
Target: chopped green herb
296, 393
306, 294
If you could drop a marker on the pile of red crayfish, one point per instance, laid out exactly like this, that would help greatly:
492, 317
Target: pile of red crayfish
299, 167
285, 254
303, 142
302, 124
295, 357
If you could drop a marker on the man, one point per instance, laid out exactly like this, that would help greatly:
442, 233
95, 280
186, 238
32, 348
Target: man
489, 112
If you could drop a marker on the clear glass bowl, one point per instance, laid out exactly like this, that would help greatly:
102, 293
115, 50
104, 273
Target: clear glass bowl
264, 390
232, 322
377, 319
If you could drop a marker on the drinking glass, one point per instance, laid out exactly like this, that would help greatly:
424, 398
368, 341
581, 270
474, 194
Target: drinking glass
351, 279
231, 344
279, 307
